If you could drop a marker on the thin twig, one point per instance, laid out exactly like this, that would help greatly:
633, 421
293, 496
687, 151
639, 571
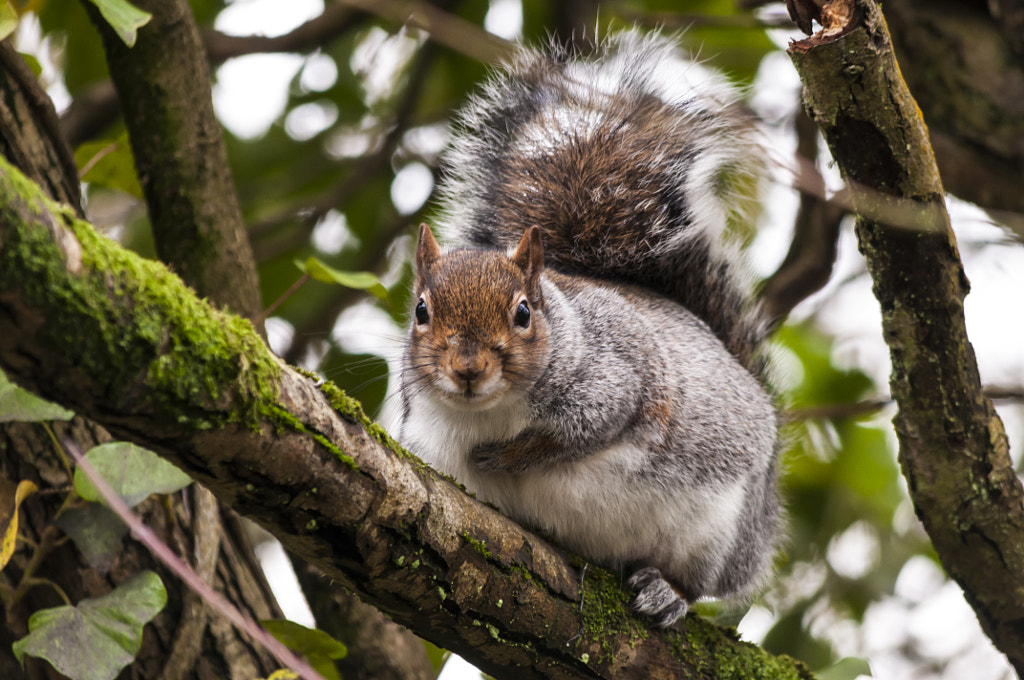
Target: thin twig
444, 28
147, 537
284, 296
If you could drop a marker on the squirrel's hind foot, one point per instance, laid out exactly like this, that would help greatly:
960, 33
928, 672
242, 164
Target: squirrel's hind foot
656, 597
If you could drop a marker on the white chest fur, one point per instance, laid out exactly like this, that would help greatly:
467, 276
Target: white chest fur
597, 506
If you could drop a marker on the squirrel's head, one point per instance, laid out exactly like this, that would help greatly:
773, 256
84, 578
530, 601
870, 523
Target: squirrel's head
478, 326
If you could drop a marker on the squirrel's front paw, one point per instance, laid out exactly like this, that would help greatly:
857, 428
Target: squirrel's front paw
487, 456
523, 452
656, 598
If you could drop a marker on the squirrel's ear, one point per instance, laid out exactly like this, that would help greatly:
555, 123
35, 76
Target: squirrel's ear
529, 255
427, 250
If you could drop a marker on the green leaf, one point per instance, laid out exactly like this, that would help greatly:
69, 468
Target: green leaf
100, 636
20, 405
123, 17
33, 64
132, 471
437, 656
319, 648
97, 532
8, 19
847, 668
357, 280
83, 57
109, 163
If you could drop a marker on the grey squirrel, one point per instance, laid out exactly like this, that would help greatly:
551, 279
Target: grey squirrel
585, 355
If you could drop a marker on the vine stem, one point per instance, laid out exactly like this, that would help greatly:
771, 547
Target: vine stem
145, 535
284, 296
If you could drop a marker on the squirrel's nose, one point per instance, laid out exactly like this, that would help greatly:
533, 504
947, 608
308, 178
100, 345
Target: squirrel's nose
469, 367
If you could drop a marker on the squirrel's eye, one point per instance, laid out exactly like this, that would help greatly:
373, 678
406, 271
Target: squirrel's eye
422, 315
522, 317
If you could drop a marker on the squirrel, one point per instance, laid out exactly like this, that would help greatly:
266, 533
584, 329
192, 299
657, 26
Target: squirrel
585, 354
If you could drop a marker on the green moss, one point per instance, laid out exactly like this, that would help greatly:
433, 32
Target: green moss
728, 658
606, 613
146, 332
479, 546
133, 327
286, 419
352, 410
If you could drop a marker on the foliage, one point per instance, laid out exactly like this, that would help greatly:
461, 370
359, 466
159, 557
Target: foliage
319, 648
18, 405
361, 114
133, 472
98, 637
124, 17
11, 496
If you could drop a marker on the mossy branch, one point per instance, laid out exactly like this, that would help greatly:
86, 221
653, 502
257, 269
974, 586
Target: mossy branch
163, 84
953, 450
122, 341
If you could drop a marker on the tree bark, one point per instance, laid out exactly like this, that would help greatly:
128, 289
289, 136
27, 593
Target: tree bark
953, 450
29, 133
198, 227
122, 341
178, 641
163, 82
963, 62
378, 648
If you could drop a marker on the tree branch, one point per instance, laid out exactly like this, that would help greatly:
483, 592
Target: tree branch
960, 62
97, 107
444, 28
335, 20
812, 253
29, 137
213, 256
163, 83
125, 343
953, 450
29, 132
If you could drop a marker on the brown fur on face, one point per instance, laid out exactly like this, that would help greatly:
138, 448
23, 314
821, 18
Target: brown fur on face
471, 339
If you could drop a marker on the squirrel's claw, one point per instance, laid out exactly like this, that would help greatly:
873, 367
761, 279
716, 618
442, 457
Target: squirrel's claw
656, 597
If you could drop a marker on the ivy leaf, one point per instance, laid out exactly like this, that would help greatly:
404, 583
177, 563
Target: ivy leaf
437, 656
123, 17
97, 532
11, 496
109, 163
132, 471
100, 636
319, 648
8, 18
20, 405
357, 280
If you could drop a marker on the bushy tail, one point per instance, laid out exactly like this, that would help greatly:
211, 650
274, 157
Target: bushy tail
637, 164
